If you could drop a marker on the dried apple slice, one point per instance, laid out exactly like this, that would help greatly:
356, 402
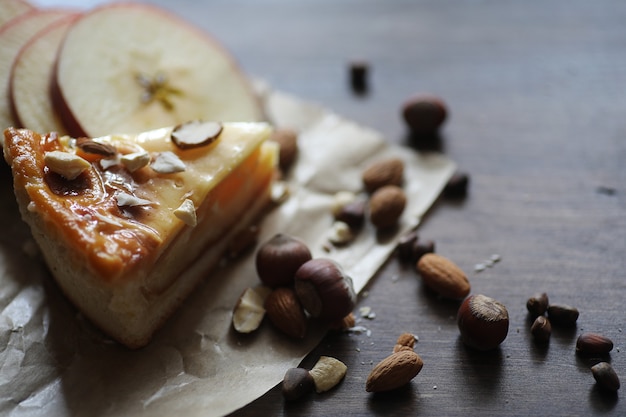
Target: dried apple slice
133, 67
10, 9
29, 87
13, 36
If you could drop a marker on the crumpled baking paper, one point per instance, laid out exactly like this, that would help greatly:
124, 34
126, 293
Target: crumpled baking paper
55, 363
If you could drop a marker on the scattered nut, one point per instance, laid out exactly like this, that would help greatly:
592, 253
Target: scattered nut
424, 113
244, 240
196, 133
285, 312
297, 383
352, 214
457, 185
421, 248
394, 371
288, 141
443, 276
324, 290
359, 71
91, 146
537, 305
593, 343
384, 172
605, 376
406, 341
562, 315
66, 164
345, 323
187, 213
541, 330
405, 246
483, 322
327, 373
278, 259
249, 310
386, 206
167, 163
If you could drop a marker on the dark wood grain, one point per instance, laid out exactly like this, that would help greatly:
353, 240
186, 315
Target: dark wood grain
536, 92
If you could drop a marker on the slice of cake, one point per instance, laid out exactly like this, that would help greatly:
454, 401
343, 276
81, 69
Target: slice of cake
130, 224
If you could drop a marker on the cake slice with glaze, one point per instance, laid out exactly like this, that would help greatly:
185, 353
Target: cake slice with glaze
129, 225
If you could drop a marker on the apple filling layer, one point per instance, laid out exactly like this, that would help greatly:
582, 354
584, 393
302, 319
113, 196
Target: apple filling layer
129, 224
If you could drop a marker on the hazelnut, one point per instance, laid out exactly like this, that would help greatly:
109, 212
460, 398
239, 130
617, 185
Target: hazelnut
541, 330
297, 383
457, 185
278, 259
324, 290
537, 305
605, 376
352, 214
406, 242
359, 71
483, 322
287, 139
424, 113
563, 315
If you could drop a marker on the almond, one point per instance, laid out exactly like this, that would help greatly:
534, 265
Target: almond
443, 276
406, 341
384, 172
386, 206
394, 371
285, 312
91, 146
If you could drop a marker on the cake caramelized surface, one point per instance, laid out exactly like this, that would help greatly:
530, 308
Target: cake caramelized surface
122, 220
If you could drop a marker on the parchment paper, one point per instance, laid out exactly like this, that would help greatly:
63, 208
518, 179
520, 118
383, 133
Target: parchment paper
54, 363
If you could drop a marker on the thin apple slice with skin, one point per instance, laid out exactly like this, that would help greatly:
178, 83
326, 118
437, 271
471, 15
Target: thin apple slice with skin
29, 87
10, 9
133, 67
13, 36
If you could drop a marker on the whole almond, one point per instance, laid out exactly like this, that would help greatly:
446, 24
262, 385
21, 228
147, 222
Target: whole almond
91, 146
593, 343
443, 276
384, 172
386, 206
285, 312
394, 371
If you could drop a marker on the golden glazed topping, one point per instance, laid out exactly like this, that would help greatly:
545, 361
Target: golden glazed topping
118, 217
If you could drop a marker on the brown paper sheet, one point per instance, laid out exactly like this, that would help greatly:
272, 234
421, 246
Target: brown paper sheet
54, 363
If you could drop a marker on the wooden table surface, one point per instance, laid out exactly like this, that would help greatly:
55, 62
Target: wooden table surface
537, 97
